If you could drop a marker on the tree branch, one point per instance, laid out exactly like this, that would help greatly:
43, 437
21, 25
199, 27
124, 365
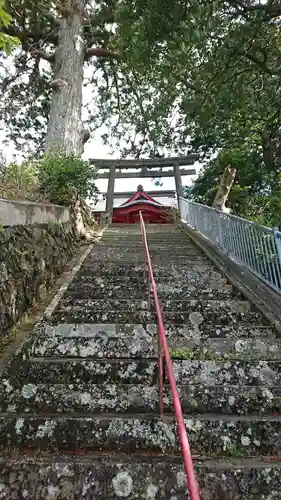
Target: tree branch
24, 35
85, 136
96, 20
259, 63
43, 55
101, 52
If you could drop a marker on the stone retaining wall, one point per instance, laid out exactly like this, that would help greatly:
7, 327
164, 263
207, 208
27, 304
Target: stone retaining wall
13, 213
31, 258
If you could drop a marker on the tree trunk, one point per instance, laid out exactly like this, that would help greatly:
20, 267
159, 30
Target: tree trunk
224, 188
267, 151
65, 130
272, 167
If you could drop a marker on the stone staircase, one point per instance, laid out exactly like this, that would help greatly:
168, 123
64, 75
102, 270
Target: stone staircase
79, 400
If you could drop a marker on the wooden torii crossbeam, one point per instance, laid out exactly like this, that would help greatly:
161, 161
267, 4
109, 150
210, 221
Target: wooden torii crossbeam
144, 167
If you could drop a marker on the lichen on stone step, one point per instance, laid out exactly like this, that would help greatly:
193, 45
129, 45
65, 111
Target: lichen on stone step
73, 371
210, 435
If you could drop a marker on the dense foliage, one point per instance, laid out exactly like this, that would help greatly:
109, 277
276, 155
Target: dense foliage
121, 46
64, 178
7, 42
19, 182
233, 110
201, 76
59, 179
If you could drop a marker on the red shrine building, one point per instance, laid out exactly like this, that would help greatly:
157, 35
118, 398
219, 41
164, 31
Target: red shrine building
153, 212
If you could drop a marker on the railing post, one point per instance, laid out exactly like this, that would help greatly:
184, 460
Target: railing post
194, 219
278, 242
219, 228
278, 246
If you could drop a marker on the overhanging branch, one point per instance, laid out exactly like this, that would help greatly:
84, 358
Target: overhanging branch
101, 52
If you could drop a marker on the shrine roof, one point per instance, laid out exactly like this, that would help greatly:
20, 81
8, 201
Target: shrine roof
140, 197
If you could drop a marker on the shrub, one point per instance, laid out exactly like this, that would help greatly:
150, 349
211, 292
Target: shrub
19, 182
65, 178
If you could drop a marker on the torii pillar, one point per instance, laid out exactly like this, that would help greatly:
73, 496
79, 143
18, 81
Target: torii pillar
110, 190
179, 188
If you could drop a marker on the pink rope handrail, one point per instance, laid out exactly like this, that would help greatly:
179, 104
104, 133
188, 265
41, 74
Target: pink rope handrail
163, 346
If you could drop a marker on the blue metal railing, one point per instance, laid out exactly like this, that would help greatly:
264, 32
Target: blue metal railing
257, 247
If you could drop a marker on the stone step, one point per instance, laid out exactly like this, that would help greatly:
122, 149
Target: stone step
134, 340
138, 289
199, 276
79, 370
135, 258
136, 228
80, 398
112, 476
209, 434
191, 312
129, 398
138, 252
68, 314
207, 372
146, 346
170, 270
150, 229
152, 243
136, 236
259, 347
214, 372
131, 341
191, 336
136, 248
181, 239
135, 347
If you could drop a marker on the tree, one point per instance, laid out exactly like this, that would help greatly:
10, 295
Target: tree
226, 181
46, 86
254, 194
175, 75
107, 43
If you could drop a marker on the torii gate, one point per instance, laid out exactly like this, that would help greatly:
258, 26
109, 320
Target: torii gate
115, 167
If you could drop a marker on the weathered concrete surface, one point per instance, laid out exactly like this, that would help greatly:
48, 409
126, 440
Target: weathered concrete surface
239, 372
147, 478
25, 213
79, 398
137, 245
258, 346
138, 289
143, 343
132, 342
210, 435
191, 312
160, 246
133, 257
167, 269
128, 398
72, 371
